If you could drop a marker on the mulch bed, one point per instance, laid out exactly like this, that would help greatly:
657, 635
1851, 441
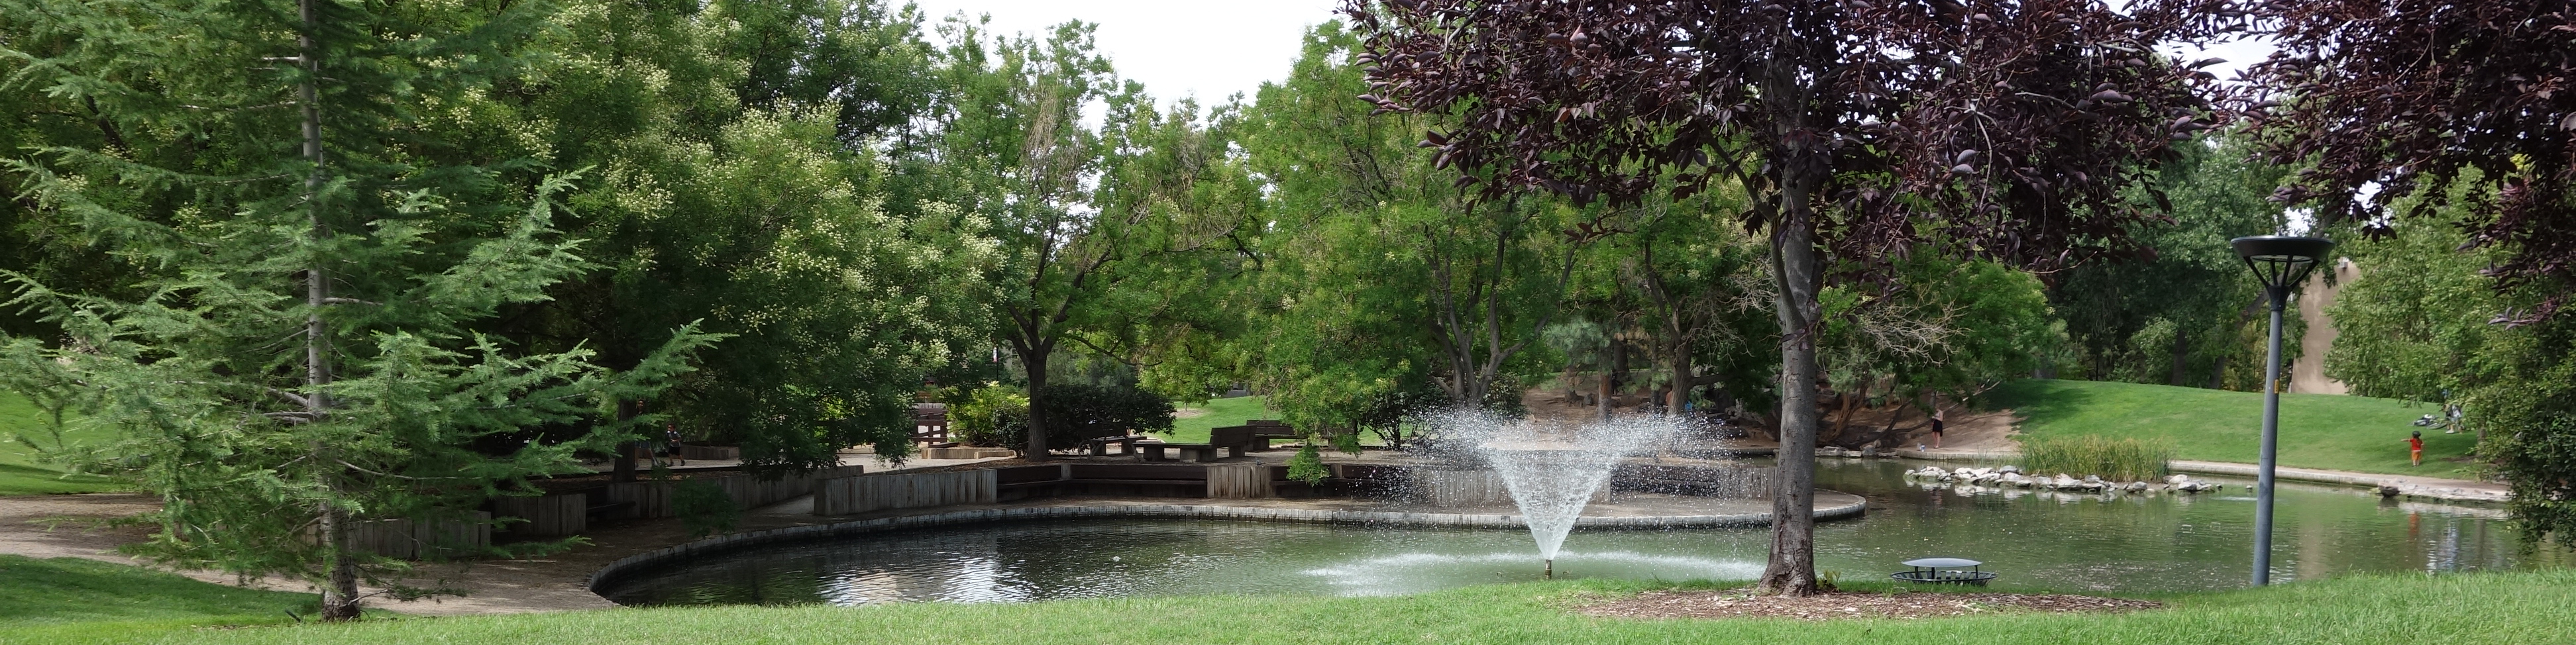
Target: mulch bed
1743, 603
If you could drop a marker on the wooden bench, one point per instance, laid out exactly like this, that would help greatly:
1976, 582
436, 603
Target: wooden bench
1100, 445
1263, 431
1198, 452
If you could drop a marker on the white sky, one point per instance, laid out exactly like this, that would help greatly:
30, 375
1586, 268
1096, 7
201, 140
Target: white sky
1213, 49
1202, 48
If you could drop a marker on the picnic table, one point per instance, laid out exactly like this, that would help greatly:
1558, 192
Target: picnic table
1198, 452
1100, 445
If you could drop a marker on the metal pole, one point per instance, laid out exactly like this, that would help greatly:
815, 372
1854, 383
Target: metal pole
2271, 435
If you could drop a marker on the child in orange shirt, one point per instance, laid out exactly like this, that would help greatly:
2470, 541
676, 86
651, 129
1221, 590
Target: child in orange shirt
2416, 444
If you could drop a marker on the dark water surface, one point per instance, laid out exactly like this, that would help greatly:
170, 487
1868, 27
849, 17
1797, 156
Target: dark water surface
2037, 540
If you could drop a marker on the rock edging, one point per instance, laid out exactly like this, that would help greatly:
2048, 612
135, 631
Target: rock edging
2447, 490
1181, 511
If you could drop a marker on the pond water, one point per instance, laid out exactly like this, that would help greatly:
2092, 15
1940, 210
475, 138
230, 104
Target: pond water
2038, 541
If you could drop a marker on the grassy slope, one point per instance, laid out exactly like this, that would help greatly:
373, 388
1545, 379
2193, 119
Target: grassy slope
20, 474
1220, 412
2524, 607
72, 596
2317, 430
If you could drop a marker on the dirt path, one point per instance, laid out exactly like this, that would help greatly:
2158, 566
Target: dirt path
56, 526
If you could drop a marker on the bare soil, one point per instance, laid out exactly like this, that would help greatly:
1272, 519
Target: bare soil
1743, 603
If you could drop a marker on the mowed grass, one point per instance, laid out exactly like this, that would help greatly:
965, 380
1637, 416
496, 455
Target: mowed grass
21, 473
1217, 413
2453, 609
72, 596
2317, 430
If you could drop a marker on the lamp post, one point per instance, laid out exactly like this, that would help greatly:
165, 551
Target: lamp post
2280, 262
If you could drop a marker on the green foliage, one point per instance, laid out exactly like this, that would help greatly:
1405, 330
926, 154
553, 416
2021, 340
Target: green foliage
2180, 317
1308, 465
1377, 275
1075, 412
2330, 431
264, 410
2119, 459
997, 415
704, 508
2420, 323
1105, 236
761, 169
989, 416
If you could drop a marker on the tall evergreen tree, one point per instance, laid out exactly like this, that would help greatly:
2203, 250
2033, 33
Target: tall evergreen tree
303, 357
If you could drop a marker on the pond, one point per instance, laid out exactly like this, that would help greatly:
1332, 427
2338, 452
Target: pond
2038, 541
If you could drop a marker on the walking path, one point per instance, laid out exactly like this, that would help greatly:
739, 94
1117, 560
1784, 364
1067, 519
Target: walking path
55, 526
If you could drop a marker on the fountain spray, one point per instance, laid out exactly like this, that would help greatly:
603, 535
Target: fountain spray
1553, 469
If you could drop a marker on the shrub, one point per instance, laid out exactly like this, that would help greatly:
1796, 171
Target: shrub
704, 508
998, 415
1075, 412
991, 416
2114, 458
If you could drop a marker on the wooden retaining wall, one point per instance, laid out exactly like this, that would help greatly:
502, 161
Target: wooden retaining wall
547, 516
569, 513
412, 540
653, 499
1239, 481
846, 495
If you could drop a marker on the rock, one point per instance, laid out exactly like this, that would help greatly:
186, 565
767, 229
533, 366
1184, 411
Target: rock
2009, 469
2137, 486
2092, 479
2177, 478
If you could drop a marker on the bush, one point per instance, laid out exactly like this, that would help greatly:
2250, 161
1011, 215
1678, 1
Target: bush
998, 415
704, 508
1075, 412
2114, 458
991, 416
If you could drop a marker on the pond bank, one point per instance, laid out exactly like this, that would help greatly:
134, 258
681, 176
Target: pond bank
2434, 488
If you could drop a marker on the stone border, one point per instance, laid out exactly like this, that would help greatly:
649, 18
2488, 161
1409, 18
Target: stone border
2407, 485
1176, 511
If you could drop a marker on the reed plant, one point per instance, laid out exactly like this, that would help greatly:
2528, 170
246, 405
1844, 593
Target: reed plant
2114, 458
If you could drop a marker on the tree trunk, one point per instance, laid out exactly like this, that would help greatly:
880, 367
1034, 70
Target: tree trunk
2181, 354
1842, 420
624, 468
2218, 373
340, 591
1681, 387
1791, 569
1603, 388
1035, 360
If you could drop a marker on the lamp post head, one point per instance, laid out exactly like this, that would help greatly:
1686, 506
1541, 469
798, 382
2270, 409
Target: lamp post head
2281, 261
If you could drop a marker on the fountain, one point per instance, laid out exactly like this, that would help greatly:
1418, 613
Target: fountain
1552, 469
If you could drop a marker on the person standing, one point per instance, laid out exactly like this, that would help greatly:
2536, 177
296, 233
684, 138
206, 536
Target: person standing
671, 433
1938, 424
2415, 444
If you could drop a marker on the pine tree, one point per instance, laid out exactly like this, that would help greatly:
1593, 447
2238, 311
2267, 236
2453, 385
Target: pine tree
304, 357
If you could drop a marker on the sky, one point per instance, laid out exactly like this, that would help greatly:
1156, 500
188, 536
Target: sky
1213, 49
1202, 48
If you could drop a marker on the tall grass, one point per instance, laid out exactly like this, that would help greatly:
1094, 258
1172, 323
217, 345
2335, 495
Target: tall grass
2114, 458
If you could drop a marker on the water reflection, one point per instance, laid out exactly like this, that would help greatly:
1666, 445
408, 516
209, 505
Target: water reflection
2037, 539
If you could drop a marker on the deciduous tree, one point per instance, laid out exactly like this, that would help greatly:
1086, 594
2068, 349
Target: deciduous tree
1862, 129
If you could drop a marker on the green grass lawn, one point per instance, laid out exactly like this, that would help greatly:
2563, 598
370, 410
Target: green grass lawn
1219, 412
2317, 430
20, 472
2452, 609
76, 598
